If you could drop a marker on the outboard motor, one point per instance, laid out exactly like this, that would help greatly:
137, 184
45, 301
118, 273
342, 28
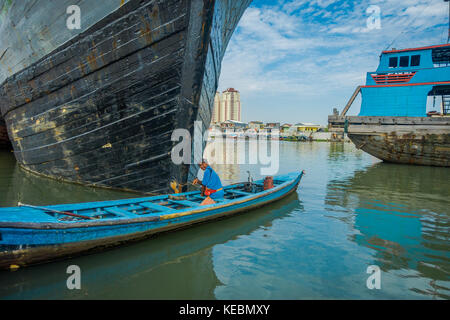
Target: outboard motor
249, 186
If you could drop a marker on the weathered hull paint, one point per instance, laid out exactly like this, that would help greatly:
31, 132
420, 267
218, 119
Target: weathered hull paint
32, 243
4, 139
406, 140
100, 109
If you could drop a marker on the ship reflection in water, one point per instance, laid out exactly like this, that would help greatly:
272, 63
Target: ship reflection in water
350, 212
17, 185
176, 265
402, 213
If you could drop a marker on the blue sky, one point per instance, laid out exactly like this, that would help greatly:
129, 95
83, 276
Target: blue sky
294, 60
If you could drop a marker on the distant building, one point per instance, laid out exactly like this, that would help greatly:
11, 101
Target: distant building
272, 125
285, 128
227, 106
216, 111
256, 125
307, 127
232, 124
231, 101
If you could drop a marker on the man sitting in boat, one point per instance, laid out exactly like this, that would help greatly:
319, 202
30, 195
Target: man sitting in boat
211, 184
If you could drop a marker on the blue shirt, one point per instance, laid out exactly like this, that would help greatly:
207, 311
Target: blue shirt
211, 179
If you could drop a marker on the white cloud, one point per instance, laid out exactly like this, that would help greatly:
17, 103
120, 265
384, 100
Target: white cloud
316, 50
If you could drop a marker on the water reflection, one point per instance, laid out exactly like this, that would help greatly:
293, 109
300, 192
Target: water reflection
402, 213
19, 185
350, 211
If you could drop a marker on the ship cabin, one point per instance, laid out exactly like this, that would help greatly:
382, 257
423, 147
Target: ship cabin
407, 81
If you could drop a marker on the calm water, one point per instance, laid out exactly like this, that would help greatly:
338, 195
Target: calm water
350, 212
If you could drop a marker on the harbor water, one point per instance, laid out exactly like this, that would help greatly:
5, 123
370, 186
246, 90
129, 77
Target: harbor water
350, 212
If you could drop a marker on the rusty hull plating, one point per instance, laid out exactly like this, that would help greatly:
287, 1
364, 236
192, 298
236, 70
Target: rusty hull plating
419, 141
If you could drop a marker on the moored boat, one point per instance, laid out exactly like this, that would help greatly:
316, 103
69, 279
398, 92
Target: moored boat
30, 235
393, 124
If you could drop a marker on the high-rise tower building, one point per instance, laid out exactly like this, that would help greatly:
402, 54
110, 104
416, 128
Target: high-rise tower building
227, 106
216, 112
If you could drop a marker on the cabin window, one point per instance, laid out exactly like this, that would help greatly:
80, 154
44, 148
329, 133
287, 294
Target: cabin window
404, 62
415, 61
441, 57
393, 62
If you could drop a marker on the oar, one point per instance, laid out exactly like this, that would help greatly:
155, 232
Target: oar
56, 211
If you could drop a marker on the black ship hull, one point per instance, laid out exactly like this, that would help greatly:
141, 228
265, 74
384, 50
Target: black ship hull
101, 109
4, 139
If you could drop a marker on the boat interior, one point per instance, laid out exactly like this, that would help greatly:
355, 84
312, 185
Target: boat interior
153, 206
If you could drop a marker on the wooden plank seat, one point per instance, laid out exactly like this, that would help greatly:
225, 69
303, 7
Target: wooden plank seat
186, 203
156, 207
197, 196
239, 192
119, 212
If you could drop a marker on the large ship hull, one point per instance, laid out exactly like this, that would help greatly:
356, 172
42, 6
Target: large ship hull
407, 140
4, 139
101, 108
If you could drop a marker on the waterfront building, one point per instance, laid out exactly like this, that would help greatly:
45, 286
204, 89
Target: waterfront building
216, 111
227, 106
270, 126
232, 124
307, 127
286, 130
256, 125
231, 103
285, 127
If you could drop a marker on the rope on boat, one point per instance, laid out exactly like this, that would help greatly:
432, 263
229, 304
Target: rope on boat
177, 187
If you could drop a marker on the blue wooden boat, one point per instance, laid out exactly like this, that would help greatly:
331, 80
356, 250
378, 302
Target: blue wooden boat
30, 235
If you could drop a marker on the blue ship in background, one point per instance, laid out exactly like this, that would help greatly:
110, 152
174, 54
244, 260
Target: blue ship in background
405, 79
393, 124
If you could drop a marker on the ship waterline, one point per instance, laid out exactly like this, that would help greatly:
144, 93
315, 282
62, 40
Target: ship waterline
419, 141
100, 109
